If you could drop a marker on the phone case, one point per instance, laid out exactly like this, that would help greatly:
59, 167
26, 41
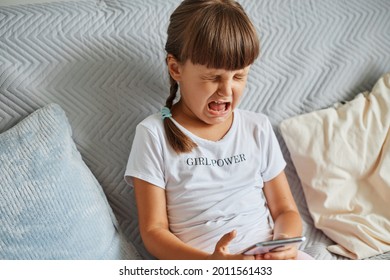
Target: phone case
272, 245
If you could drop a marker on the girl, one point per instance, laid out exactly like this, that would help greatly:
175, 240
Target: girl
208, 178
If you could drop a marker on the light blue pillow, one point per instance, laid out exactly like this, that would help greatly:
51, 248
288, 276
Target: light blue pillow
51, 205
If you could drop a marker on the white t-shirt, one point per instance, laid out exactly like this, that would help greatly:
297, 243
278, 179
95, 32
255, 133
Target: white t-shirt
218, 186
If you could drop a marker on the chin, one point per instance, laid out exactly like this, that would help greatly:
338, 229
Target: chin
213, 120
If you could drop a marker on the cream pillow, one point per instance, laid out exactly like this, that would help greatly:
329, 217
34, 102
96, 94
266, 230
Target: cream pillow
342, 157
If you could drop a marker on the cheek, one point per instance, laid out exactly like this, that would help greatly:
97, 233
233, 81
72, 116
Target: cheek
194, 94
239, 91
203, 92
208, 88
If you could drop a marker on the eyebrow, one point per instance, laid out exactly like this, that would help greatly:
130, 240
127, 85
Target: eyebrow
216, 72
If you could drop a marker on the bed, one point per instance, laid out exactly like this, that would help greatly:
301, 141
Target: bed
102, 62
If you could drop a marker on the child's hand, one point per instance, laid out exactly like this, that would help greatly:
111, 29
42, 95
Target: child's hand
221, 251
285, 253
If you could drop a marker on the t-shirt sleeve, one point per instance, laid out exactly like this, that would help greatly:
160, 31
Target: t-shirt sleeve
146, 158
273, 161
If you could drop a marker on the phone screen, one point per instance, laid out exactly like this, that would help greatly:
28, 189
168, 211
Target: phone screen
272, 245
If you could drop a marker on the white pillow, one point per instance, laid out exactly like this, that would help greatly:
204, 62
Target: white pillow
342, 157
51, 205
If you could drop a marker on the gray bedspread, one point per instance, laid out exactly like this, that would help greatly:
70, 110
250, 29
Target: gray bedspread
103, 62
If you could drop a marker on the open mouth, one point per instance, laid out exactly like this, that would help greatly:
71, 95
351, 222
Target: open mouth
218, 107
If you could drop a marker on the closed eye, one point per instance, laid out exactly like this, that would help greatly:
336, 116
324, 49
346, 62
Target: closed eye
239, 77
211, 78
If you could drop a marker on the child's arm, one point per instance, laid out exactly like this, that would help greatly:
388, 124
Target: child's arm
285, 214
154, 228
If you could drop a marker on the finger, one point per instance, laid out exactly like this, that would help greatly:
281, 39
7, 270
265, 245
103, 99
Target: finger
259, 257
247, 257
280, 236
281, 255
225, 240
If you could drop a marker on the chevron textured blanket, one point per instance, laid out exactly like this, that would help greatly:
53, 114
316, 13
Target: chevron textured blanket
103, 62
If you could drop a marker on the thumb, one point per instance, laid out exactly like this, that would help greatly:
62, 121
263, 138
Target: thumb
223, 243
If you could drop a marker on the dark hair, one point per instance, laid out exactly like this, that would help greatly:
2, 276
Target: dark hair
214, 33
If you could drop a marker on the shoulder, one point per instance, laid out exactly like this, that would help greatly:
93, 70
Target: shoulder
152, 123
253, 118
152, 120
255, 125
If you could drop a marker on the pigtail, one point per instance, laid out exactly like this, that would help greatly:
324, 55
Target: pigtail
180, 142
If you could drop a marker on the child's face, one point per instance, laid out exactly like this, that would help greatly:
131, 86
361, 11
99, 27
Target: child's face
210, 95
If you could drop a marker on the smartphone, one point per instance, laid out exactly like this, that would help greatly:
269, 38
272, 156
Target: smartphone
272, 245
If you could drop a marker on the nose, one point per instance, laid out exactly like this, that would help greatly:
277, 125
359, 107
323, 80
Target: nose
225, 88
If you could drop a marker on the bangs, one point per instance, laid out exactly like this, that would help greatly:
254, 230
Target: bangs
226, 41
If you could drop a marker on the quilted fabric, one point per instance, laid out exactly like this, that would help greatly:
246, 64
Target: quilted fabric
51, 206
103, 62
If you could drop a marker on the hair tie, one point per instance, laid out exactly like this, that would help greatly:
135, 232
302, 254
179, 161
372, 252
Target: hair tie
165, 113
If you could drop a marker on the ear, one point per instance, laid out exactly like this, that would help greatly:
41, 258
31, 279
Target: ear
174, 67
